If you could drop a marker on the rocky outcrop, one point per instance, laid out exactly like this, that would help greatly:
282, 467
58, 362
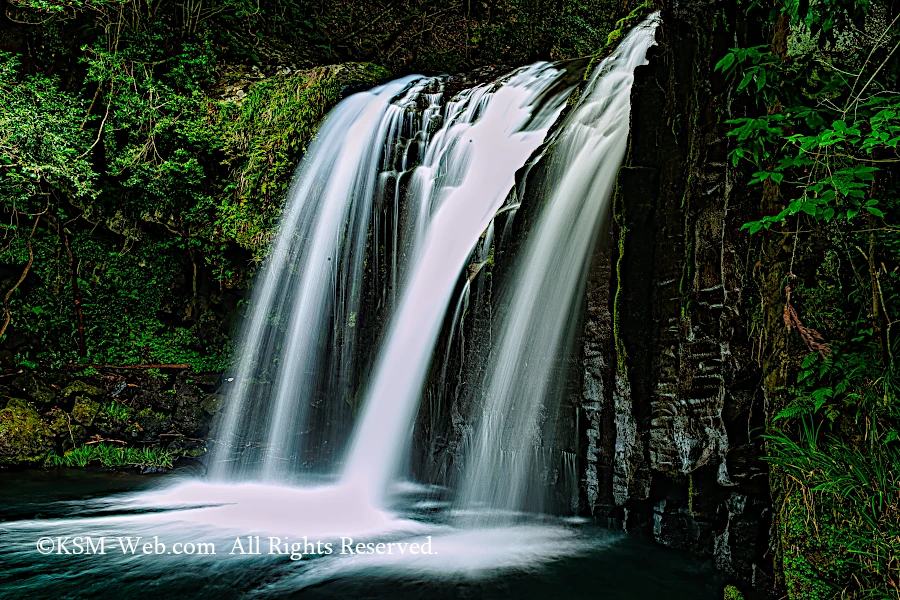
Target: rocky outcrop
25, 439
167, 409
668, 392
687, 389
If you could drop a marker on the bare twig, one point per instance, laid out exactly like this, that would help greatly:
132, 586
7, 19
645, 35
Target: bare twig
813, 339
129, 367
7, 316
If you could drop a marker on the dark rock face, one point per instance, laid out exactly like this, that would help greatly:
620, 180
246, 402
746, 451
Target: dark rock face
169, 410
686, 388
598, 405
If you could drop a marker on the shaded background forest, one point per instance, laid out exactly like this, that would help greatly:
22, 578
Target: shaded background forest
156, 142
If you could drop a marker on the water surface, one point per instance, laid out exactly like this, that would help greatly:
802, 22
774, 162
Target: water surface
530, 558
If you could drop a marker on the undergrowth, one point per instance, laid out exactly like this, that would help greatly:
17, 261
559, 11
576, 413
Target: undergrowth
109, 455
821, 138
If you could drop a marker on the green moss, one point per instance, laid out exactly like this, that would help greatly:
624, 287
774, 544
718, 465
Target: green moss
80, 387
691, 493
732, 593
24, 437
85, 410
619, 30
34, 388
619, 220
621, 355
266, 134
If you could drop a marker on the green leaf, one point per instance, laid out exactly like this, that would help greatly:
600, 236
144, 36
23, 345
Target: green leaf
726, 62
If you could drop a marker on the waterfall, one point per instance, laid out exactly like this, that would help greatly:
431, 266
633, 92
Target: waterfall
468, 171
299, 342
451, 167
521, 393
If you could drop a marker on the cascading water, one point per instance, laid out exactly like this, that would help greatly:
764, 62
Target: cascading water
519, 397
299, 343
490, 133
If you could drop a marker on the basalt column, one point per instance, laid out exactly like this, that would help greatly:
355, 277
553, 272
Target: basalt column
686, 389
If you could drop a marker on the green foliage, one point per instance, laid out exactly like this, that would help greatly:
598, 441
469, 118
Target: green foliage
824, 15
121, 296
820, 134
265, 135
42, 140
457, 35
569, 29
841, 505
824, 157
116, 412
149, 185
109, 455
732, 593
161, 143
833, 384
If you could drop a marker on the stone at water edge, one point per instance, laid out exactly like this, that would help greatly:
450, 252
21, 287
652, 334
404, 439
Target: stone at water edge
24, 437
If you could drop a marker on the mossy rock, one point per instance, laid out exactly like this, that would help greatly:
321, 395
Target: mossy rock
189, 418
212, 403
25, 439
68, 433
34, 388
85, 410
732, 593
81, 388
152, 423
194, 452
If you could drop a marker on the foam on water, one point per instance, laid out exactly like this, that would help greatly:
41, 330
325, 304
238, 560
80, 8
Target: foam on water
222, 514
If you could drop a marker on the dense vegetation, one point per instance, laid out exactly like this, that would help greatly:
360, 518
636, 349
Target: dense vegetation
822, 141
146, 149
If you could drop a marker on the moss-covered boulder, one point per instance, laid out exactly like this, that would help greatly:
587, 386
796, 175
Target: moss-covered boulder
33, 388
85, 410
81, 388
25, 439
149, 424
66, 430
212, 403
190, 418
